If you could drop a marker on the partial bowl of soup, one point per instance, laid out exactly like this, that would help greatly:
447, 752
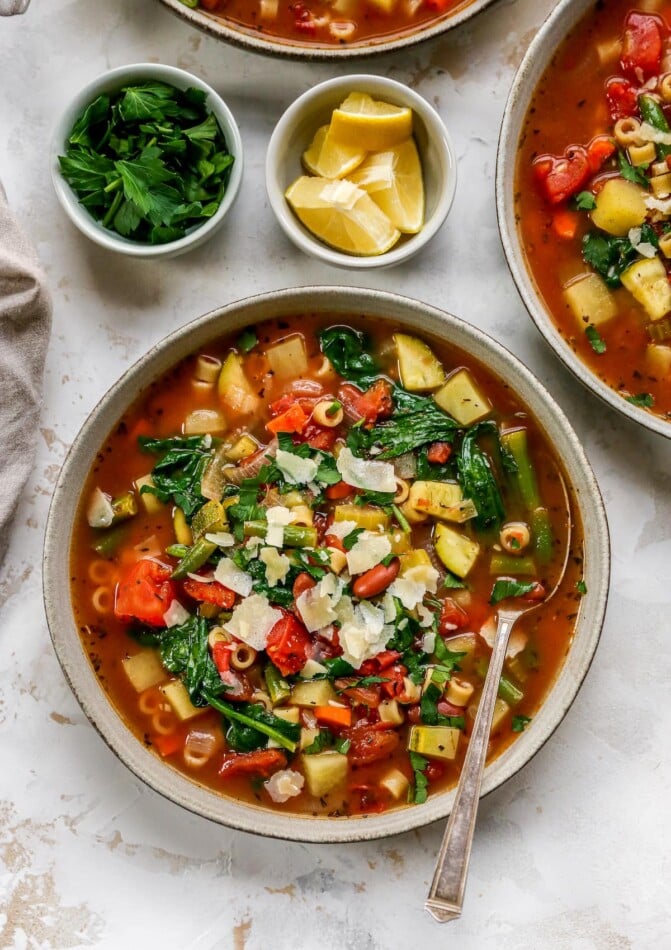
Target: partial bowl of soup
275, 553
584, 198
318, 30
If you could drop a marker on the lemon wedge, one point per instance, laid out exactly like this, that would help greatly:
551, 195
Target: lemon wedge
328, 159
342, 215
366, 123
394, 181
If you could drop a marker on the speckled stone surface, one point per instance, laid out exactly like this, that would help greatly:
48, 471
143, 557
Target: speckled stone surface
574, 851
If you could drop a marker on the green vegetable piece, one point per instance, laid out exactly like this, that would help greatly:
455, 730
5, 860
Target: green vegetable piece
510, 692
477, 478
516, 443
416, 421
542, 535
585, 201
210, 518
633, 173
124, 507
347, 350
418, 791
519, 723
502, 563
295, 536
107, 543
506, 587
651, 112
581, 587
194, 558
643, 400
255, 716
278, 688
596, 341
247, 341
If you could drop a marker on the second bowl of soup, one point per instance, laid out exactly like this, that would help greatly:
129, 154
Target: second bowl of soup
289, 527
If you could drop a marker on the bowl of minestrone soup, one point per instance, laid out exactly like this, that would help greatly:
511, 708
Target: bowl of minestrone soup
584, 198
275, 551
317, 30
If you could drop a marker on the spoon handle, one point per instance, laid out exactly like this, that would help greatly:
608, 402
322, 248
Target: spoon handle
446, 895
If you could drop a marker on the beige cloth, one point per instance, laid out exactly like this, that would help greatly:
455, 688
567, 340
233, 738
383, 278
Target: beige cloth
10, 7
25, 320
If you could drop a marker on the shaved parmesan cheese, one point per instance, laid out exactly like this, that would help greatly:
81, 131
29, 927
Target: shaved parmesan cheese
429, 642
230, 575
252, 621
368, 550
340, 529
344, 609
278, 517
409, 592
99, 512
662, 205
311, 669
644, 248
284, 785
424, 574
277, 565
202, 578
425, 616
373, 476
175, 614
315, 609
297, 471
516, 643
389, 608
648, 133
365, 635
221, 538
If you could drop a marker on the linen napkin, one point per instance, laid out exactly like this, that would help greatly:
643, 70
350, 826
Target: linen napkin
25, 321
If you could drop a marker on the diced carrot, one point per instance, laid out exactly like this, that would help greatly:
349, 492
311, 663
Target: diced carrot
169, 744
334, 715
565, 224
293, 420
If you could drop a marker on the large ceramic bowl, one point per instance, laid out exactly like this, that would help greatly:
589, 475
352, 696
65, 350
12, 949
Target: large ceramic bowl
565, 16
332, 300
258, 42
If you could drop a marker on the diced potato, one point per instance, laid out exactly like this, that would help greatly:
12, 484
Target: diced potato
288, 713
400, 541
501, 710
204, 422
324, 771
390, 711
308, 736
241, 449
313, 693
590, 300
395, 782
235, 390
418, 557
151, 503
457, 552
436, 742
620, 206
183, 532
144, 670
647, 281
660, 185
178, 697
658, 358
419, 368
365, 517
435, 498
462, 398
288, 358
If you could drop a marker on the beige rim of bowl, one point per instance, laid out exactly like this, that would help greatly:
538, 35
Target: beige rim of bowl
412, 315
564, 17
268, 45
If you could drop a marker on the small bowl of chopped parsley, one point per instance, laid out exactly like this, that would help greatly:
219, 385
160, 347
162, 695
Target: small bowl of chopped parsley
147, 160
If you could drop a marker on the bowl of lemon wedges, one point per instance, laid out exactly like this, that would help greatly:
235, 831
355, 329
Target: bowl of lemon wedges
360, 172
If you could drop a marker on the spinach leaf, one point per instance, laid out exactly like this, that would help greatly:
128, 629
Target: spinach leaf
178, 474
506, 587
644, 400
585, 201
247, 340
416, 421
347, 350
596, 341
323, 740
477, 479
581, 587
255, 717
635, 174
184, 651
520, 723
610, 256
418, 791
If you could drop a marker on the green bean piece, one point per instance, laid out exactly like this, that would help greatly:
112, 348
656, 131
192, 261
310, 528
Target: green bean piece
543, 535
516, 443
211, 517
124, 507
509, 564
278, 688
106, 544
509, 691
177, 550
194, 558
652, 113
295, 536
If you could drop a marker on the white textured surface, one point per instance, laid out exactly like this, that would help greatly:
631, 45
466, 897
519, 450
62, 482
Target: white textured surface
572, 853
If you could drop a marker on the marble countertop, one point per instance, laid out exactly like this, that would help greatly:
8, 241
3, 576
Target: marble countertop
571, 853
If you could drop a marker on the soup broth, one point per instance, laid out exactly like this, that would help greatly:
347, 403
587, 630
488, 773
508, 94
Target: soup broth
287, 559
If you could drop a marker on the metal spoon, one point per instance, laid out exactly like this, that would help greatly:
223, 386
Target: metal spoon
446, 896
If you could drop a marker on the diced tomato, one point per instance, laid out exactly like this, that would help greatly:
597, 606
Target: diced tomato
368, 696
561, 177
371, 799
452, 617
302, 583
642, 44
395, 676
599, 150
537, 593
168, 744
263, 762
565, 223
622, 98
414, 714
380, 662
221, 656
332, 541
211, 592
145, 593
439, 452
338, 491
304, 20
288, 644
376, 403
434, 771
211, 5
293, 420
370, 744
320, 437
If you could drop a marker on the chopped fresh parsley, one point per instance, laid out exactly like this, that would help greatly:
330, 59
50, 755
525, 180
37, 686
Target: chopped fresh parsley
323, 740
247, 341
451, 581
611, 256
520, 723
635, 174
351, 539
644, 400
581, 587
596, 341
418, 791
506, 587
585, 201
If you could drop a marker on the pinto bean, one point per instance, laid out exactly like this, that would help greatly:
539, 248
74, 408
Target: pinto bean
376, 580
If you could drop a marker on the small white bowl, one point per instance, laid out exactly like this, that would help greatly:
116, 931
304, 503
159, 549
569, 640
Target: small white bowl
110, 82
295, 130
